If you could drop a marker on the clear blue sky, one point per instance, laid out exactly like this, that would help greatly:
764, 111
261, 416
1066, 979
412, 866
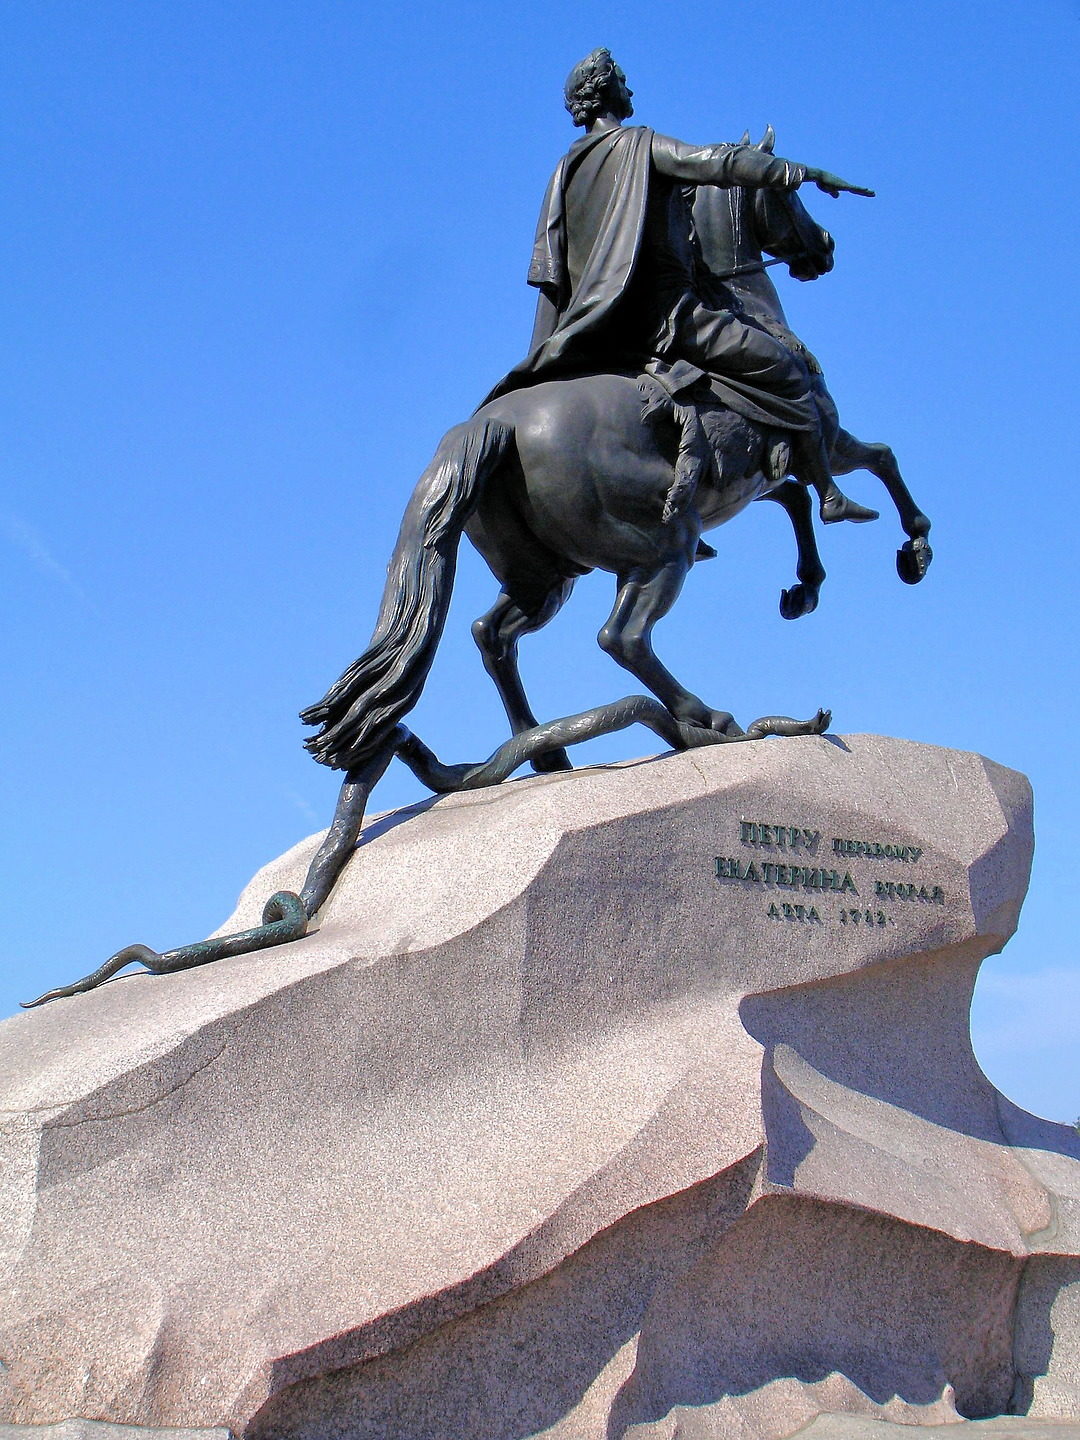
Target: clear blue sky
257, 258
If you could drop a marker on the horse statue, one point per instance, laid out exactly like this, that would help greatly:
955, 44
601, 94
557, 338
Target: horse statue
587, 472
569, 476
734, 230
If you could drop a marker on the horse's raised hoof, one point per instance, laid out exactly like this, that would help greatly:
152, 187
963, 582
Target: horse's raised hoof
724, 724
551, 762
913, 560
798, 601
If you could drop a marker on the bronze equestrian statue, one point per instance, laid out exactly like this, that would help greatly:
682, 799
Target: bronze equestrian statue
641, 417
661, 395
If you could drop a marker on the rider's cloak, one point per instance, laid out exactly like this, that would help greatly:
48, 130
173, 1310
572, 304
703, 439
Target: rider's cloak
613, 259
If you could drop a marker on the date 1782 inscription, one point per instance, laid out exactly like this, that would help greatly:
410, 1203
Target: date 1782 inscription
800, 871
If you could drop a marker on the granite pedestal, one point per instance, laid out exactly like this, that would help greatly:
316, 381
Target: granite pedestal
630, 1103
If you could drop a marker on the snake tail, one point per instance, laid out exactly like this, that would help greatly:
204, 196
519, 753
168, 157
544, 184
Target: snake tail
284, 919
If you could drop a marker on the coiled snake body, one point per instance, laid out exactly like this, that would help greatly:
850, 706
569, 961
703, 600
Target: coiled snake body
286, 916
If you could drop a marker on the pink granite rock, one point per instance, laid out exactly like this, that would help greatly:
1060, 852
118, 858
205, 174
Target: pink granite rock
632, 1102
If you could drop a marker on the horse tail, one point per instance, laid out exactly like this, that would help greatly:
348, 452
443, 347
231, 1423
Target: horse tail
359, 712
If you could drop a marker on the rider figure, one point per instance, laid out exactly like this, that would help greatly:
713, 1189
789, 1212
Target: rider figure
614, 265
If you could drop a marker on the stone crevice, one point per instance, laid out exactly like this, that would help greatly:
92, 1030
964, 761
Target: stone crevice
60, 1107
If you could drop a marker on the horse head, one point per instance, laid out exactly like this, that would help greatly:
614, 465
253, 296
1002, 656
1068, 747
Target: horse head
786, 229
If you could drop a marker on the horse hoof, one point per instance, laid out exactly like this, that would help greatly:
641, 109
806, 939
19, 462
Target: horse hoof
798, 601
551, 762
913, 560
723, 722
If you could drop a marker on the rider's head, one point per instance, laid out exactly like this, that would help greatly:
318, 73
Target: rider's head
596, 86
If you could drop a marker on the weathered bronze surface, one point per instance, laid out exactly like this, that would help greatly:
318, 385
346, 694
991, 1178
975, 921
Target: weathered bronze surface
655, 403
663, 392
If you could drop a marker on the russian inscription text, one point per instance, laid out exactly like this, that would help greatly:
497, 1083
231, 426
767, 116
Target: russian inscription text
801, 840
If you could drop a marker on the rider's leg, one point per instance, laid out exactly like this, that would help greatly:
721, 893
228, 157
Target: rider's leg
497, 634
810, 464
644, 597
722, 342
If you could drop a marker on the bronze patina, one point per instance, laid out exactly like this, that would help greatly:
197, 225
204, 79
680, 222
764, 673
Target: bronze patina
662, 393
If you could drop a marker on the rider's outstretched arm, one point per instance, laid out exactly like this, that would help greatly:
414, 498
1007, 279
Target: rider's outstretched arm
727, 165
724, 165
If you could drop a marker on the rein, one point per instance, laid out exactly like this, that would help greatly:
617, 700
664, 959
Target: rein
749, 269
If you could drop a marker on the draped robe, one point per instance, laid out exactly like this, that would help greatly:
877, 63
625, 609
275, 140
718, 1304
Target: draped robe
614, 266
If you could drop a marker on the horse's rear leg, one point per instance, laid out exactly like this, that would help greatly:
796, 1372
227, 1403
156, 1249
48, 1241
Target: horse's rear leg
848, 453
497, 634
801, 599
644, 597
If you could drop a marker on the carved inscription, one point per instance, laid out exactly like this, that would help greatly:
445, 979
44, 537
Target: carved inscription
875, 850
783, 837
794, 866
934, 893
792, 877
784, 911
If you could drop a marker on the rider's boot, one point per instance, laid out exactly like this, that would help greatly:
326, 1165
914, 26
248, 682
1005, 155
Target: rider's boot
810, 465
835, 505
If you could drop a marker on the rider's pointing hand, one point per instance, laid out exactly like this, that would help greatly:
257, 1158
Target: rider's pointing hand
832, 184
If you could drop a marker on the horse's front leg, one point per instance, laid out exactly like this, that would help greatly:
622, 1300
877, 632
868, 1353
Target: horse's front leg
847, 454
801, 599
644, 597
